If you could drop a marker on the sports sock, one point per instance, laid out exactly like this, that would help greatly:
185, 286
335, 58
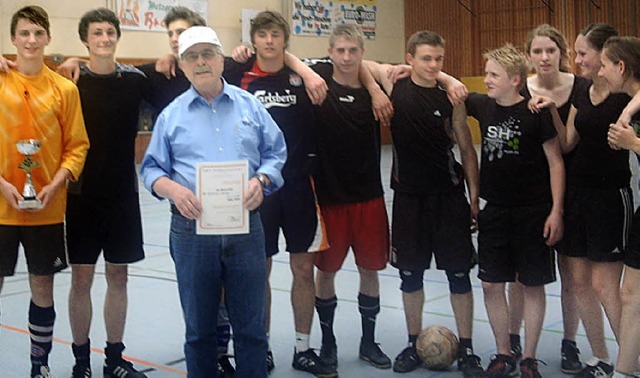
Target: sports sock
82, 353
326, 309
41, 320
369, 308
302, 342
113, 351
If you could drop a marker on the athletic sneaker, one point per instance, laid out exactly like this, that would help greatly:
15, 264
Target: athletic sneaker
371, 352
44, 372
270, 363
596, 368
225, 369
81, 370
570, 357
329, 354
407, 360
529, 368
469, 364
501, 366
516, 350
310, 362
120, 369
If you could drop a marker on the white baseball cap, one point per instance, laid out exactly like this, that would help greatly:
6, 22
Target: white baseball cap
197, 34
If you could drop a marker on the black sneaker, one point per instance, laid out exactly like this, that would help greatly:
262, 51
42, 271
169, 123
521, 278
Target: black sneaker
310, 362
407, 360
596, 368
501, 366
41, 372
469, 364
529, 368
120, 369
225, 369
371, 352
270, 363
81, 370
516, 350
570, 357
329, 354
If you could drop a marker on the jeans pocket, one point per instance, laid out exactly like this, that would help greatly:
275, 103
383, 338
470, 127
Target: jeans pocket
182, 226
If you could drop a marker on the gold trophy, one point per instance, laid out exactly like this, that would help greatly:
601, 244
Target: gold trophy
28, 147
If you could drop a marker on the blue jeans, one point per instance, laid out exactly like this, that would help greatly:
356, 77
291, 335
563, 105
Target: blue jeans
205, 264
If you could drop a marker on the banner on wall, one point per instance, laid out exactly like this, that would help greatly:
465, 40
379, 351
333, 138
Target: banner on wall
147, 15
317, 18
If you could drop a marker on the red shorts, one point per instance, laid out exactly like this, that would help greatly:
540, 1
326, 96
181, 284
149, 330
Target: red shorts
364, 227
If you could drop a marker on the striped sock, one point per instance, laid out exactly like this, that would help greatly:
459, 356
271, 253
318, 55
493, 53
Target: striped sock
41, 321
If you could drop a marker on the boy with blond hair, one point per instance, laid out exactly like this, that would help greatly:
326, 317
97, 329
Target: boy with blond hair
522, 180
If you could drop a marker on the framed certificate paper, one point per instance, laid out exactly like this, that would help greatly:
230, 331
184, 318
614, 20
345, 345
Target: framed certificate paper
220, 187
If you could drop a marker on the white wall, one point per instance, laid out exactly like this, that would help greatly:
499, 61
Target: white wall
224, 17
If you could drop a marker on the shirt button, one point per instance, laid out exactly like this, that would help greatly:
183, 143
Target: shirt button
213, 110
220, 149
217, 129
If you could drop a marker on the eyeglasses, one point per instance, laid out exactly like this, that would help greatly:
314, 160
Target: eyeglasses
192, 56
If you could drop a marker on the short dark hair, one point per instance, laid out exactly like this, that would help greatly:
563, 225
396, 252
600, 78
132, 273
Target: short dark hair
424, 37
267, 20
597, 34
183, 13
97, 15
35, 14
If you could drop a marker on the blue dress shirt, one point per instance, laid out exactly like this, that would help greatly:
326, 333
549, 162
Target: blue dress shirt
235, 127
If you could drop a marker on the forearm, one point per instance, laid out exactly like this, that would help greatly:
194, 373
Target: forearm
59, 179
166, 188
632, 108
557, 179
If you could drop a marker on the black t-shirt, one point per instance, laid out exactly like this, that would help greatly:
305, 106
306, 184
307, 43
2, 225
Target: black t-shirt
163, 90
423, 160
580, 84
110, 105
514, 169
348, 143
284, 95
594, 163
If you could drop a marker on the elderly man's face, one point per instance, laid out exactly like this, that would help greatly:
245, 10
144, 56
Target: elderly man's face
203, 63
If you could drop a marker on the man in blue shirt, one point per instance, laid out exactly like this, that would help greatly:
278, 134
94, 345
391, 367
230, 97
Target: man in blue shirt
215, 122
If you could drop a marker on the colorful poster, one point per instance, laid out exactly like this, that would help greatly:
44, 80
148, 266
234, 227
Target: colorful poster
147, 15
317, 18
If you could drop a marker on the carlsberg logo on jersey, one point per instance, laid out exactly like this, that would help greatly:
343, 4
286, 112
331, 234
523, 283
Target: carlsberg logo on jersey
269, 99
502, 139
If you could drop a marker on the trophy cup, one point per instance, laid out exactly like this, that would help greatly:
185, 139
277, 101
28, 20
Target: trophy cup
28, 147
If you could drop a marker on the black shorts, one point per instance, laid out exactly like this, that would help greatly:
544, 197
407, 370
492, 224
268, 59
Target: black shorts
293, 209
44, 248
111, 225
510, 242
632, 253
424, 226
596, 223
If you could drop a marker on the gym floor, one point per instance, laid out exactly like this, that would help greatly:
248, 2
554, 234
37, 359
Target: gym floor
155, 330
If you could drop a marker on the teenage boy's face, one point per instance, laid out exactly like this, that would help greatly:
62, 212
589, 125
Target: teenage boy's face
269, 43
102, 39
499, 84
346, 55
426, 63
30, 40
174, 29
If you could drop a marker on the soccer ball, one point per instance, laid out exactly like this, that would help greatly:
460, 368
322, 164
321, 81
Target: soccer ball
437, 347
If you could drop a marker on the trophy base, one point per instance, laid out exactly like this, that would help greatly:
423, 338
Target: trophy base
29, 204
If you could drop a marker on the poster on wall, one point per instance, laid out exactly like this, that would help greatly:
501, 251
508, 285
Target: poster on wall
317, 18
147, 15
247, 19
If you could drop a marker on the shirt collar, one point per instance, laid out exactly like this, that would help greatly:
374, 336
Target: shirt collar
193, 96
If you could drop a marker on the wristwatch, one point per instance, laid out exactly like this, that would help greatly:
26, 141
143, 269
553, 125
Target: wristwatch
262, 178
